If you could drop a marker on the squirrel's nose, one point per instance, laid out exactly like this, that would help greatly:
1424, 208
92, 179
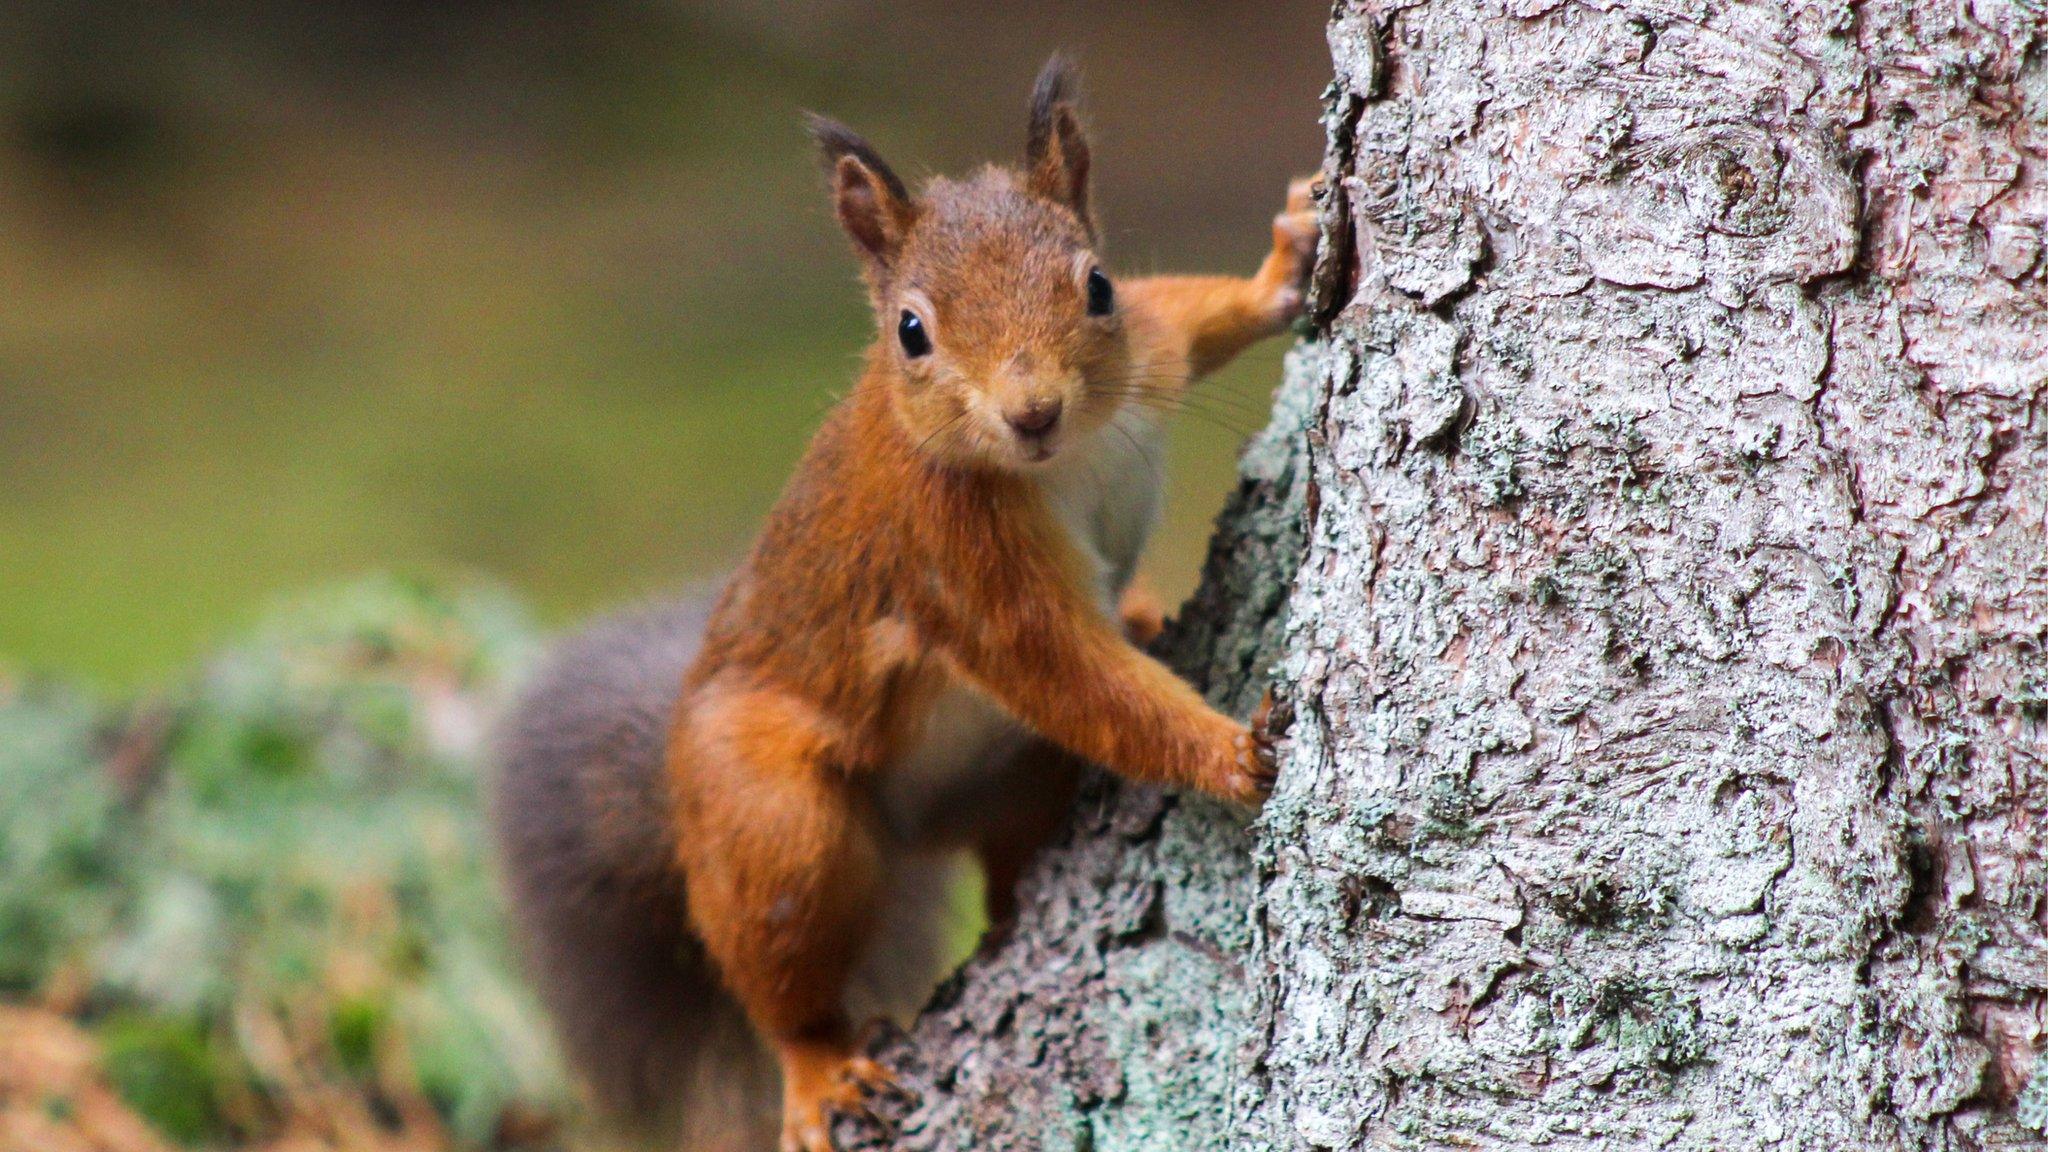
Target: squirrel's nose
1036, 419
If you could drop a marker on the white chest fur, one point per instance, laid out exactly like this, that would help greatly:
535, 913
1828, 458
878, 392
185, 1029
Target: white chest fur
1108, 496
1106, 492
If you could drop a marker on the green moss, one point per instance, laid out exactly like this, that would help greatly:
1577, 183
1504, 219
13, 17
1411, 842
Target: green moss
354, 1027
1448, 810
1492, 449
1646, 1024
169, 1070
1610, 902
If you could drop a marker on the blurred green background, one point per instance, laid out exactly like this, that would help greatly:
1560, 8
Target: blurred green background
545, 292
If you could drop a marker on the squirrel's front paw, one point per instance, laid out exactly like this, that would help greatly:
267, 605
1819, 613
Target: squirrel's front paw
1245, 773
1295, 232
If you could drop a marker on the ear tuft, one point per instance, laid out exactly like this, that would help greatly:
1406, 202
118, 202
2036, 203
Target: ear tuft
870, 199
1059, 82
836, 140
1056, 155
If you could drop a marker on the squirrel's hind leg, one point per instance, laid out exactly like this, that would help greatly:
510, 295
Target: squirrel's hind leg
787, 872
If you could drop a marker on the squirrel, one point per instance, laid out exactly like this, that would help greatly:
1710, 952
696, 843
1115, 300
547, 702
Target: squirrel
710, 816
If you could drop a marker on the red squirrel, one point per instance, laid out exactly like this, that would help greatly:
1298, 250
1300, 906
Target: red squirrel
707, 815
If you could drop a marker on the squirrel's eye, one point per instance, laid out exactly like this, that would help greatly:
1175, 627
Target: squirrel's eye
910, 330
1101, 297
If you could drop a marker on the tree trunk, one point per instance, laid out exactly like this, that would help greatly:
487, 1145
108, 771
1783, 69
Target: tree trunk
1649, 555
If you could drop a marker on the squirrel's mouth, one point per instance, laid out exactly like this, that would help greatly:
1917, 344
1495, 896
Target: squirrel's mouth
1037, 451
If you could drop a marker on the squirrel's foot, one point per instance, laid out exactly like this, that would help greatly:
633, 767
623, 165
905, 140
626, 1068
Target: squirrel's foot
849, 1088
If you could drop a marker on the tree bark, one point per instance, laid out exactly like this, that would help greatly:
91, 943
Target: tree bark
1650, 554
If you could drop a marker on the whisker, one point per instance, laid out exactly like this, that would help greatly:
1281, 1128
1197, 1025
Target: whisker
1201, 403
1151, 456
957, 417
1211, 418
1167, 403
1165, 383
1168, 385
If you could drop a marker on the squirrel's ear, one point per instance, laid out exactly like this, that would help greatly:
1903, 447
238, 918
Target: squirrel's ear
1056, 156
873, 205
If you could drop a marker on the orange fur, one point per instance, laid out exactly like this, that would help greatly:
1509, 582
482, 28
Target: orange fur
916, 552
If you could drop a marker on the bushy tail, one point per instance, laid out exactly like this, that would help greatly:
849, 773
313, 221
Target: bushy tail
582, 815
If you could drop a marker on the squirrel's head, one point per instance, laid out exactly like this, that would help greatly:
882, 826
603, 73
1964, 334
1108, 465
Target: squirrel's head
1002, 340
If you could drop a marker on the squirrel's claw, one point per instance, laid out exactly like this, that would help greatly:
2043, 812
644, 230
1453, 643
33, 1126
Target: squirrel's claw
853, 1091
1301, 194
858, 1086
868, 1079
1262, 740
1253, 768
